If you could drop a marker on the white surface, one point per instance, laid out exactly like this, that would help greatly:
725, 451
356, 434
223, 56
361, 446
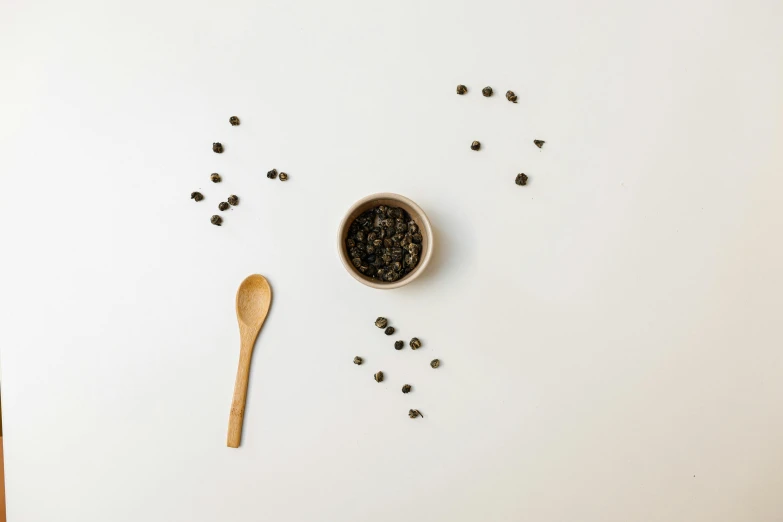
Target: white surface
610, 334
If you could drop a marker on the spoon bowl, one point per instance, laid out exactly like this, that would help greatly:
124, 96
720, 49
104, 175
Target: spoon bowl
253, 299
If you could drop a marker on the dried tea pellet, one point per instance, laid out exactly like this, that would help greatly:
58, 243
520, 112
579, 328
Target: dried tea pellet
414, 413
233, 120
358, 360
521, 179
216, 220
233, 201
435, 363
378, 377
283, 176
389, 330
272, 174
461, 89
475, 145
399, 345
217, 147
539, 143
510, 96
415, 343
215, 177
198, 196
223, 205
406, 388
381, 322
487, 91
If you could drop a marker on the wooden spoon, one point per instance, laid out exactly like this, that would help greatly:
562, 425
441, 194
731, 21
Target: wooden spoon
253, 300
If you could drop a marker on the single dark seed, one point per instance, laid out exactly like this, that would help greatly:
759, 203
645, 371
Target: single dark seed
510, 96
487, 91
461, 89
233, 120
406, 388
233, 201
399, 345
415, 343
475, 145
198, 196
381, 322
283, 176
378, 377
223, 205
521, 179
215, 177
539, 143
216, 220
272, 174
217, 147
389, 330
435, 363
414, 413
358, 360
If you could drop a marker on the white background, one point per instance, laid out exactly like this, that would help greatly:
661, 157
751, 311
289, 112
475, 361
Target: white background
610, 333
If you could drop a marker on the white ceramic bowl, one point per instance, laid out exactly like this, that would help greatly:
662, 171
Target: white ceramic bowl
392, 200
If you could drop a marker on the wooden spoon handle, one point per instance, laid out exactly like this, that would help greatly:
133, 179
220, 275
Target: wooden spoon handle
237, 416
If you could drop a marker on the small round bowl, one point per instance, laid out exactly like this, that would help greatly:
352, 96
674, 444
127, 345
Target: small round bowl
392, 200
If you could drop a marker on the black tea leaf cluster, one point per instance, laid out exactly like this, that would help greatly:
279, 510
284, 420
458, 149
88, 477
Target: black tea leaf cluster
233, 200
384, 244
487, 91
415, 344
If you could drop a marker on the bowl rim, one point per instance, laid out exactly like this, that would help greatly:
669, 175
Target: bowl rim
425, 255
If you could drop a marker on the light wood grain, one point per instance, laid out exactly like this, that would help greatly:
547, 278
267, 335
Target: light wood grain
254, 298
2, 483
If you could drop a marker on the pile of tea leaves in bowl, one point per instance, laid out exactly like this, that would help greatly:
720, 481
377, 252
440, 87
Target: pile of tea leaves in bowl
384, 243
